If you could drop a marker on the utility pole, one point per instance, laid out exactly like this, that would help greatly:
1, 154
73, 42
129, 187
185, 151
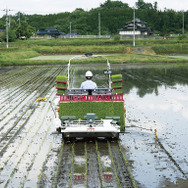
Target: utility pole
7, 24
19, 19
183, 23
133, 26
70, 29
99, 22
9, 21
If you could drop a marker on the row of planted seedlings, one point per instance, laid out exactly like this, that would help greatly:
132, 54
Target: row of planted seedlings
28, 146
26, 152
79, 166
11, 78
19, 81
25, 115
61, 83
22, 92
25, 86
122, 171
78, 172
28, 96
42, 175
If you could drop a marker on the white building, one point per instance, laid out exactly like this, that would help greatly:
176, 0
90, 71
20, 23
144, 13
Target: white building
140, 29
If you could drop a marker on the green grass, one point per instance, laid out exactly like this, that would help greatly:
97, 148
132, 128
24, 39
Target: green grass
79, 49
101, 109
153, 50
93, 41
171, 49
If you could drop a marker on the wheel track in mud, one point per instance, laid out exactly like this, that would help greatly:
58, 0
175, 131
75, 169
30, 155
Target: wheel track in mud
122, 171
81, 163
13, 130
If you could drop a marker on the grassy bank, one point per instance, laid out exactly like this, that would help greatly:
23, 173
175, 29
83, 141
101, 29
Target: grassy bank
146, 51
95, 42
180, 48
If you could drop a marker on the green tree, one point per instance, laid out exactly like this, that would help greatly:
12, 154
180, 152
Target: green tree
24, 29
114, 4
155, 6
142, 5
11, 36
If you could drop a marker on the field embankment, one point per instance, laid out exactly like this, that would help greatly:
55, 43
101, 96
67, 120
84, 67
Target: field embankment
146, 50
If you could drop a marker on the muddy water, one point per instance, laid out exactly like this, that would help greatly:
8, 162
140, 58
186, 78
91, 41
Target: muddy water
32, 154
156, 97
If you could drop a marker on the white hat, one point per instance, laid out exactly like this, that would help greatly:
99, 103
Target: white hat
89, 74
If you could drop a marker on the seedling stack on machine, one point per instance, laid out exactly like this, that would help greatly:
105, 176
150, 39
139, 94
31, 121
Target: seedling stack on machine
90, 113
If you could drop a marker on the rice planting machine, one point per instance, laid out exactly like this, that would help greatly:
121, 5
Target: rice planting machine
89, 112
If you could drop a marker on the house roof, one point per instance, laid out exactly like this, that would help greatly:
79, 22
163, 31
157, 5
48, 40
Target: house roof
49, 31
137, 20
139, 26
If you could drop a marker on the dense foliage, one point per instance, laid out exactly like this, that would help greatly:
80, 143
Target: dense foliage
113, 15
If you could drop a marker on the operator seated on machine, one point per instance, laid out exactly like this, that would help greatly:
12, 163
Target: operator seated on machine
88, 84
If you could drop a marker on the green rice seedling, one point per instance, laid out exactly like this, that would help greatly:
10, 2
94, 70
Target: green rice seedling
118, 91
61, 78
61, 85
99, 163
112, 159
85, 148
116, 84
116, 77
61, 92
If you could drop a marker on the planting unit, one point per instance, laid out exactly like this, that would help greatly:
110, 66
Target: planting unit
90, 113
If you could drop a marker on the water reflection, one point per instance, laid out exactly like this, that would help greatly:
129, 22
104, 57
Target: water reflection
149, 79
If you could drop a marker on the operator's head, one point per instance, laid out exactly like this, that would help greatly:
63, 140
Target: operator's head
89, 75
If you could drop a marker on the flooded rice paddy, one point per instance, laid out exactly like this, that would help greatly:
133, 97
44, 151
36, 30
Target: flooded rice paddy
32, 154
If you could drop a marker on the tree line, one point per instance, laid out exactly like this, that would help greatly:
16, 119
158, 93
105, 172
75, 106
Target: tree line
113, 16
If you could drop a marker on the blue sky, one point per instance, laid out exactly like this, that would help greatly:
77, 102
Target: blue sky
56, 6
